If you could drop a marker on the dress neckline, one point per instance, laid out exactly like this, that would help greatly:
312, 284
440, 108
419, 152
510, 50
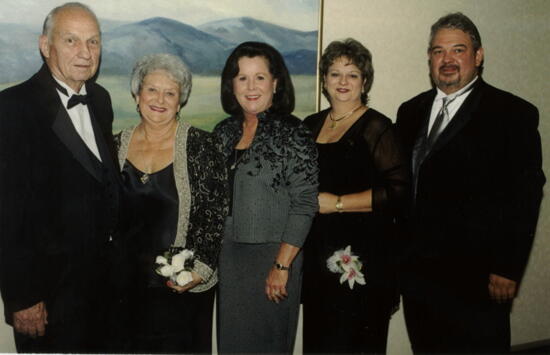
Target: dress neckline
350, 128
154, 172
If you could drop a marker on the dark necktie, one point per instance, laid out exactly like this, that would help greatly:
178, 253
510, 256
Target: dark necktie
441, 115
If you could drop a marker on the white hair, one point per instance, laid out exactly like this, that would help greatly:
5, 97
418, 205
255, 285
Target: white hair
174, 67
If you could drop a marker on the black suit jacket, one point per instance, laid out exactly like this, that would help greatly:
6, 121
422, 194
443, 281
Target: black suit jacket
477, 192
58, 203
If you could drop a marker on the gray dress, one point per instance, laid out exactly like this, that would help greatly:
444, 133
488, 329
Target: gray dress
274, 199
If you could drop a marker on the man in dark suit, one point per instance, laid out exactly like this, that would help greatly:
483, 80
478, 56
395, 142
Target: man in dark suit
477, 180
58, 192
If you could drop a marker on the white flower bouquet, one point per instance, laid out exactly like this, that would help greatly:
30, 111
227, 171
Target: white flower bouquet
176, 265
344, 262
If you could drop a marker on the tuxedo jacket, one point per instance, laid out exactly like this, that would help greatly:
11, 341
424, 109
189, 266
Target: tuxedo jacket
476, 194
58, 202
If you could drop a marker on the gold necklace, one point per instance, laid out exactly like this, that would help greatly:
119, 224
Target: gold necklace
343, 117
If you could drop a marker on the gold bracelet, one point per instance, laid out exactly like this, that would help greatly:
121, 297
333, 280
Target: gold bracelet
339, 205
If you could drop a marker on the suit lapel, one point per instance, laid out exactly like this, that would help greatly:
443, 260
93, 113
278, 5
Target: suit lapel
102, 146
461, 118
420, 148
65, 131
59, 121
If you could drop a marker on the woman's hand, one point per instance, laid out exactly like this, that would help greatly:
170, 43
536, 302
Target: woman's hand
327, 202
275, 285
180, 289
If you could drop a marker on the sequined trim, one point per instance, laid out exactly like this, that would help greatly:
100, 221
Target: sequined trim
180, 167
182, 183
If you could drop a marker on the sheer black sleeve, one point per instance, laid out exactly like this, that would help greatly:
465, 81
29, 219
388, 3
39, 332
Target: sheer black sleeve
391, 175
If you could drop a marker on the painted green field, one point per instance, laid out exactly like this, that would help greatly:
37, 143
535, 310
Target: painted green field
203, 109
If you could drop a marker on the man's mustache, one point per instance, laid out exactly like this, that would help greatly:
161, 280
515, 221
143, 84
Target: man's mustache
449, 66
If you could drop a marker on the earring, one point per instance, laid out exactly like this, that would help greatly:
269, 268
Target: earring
137, 109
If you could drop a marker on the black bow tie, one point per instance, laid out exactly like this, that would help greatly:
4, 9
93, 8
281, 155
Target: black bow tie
77, 99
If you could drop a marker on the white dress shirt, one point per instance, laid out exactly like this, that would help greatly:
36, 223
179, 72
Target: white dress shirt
452, 107
80, 117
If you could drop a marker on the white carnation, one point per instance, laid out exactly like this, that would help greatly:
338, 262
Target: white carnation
178, 262
161, 260
184, 278
166, 270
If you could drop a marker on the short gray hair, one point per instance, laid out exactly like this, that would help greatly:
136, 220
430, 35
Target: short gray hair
49, 22
176, 69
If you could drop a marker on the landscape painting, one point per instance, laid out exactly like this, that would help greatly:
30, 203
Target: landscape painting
201, 32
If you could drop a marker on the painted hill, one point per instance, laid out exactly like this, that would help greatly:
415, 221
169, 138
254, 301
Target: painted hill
19, 52
204, 48
237, 30
203, 52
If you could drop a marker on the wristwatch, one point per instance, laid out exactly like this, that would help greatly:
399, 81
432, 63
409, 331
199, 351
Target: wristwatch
280, 266
339, 205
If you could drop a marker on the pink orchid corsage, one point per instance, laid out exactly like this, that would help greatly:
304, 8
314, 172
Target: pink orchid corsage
344, 262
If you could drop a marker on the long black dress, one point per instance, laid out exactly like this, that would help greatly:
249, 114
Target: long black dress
338, 319
162, 321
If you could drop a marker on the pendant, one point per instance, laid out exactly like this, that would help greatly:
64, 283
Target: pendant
333, 124
144, 178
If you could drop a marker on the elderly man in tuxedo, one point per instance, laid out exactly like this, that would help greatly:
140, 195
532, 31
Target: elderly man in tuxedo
58, 192
475, 156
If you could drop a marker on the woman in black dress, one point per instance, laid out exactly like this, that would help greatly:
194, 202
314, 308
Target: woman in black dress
363, 177
175, 190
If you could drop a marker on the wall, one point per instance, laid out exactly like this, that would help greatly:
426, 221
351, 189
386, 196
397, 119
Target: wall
516, 38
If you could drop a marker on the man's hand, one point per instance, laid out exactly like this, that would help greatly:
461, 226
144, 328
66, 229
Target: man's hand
501, 289
31, 321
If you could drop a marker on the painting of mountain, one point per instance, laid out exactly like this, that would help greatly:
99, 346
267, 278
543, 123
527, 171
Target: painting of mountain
242, 29
203, 46
203, 52
19, 52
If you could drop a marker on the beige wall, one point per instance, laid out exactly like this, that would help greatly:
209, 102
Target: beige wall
516, 38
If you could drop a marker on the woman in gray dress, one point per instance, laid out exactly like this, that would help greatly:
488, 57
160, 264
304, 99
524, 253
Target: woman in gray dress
272, 167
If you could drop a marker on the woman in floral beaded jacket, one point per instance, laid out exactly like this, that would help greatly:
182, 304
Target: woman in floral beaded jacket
272, 169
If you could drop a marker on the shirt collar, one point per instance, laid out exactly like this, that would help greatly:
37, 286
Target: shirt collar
70, 91
440, 94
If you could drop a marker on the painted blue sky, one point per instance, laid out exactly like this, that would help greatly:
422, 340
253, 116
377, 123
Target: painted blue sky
295, 14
